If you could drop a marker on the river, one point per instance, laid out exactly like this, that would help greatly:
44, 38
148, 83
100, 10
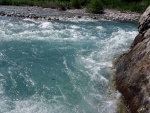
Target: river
60, 66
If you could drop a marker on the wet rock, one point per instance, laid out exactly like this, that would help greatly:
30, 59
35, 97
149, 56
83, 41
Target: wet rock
133, 69
33, 16
49, 18
56, 19
94, 17
8, 15
2, 13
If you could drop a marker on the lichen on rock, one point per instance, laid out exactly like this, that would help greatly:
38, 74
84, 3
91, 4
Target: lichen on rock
133, 69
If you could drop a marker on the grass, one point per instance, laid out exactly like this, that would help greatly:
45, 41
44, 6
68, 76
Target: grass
93, 6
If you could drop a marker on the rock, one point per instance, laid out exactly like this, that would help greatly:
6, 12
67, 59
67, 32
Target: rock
133, 69
78, 16
68, 7
49, 18
61, 8
56, 19
147, 34
98, 12
8, 15
94, 17
33, 16
144, 21
2, 13
139, 38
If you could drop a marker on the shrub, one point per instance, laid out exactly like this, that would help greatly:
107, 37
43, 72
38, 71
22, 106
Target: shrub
131, 0
75, 4
95, 6
84, 2
5, 2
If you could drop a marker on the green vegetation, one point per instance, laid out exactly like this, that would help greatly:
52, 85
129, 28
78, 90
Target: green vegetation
94, 6
75, 4
132, 5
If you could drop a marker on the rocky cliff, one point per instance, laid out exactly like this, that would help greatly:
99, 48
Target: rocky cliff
133, 69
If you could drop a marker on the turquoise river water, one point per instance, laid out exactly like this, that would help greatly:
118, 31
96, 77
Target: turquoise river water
60, 66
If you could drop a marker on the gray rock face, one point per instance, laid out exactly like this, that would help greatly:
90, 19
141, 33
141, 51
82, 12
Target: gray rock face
144, 21
133, 69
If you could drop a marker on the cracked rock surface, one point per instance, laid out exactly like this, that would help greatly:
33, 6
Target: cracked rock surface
133, 69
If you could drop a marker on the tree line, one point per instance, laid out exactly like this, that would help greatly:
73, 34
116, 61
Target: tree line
94, 6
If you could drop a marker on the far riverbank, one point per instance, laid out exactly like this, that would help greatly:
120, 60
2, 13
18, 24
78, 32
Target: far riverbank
56, 14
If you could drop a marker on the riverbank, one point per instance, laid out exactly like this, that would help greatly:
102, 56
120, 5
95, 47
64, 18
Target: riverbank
57, 14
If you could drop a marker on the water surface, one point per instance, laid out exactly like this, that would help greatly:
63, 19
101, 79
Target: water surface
60, 67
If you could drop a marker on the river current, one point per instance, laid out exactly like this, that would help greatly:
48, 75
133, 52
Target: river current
60, 66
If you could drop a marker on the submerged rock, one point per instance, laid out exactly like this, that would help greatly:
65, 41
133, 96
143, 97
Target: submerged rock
133, 69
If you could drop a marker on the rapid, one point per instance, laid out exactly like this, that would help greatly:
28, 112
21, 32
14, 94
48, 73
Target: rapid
60, 66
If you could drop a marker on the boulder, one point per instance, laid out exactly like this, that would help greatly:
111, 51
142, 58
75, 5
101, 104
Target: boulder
133, 69
144, 21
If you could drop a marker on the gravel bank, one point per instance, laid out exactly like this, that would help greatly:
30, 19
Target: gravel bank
55, 14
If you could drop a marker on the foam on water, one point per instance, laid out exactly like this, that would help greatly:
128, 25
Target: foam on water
60, 67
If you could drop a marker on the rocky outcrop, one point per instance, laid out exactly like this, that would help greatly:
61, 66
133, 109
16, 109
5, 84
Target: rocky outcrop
133, 69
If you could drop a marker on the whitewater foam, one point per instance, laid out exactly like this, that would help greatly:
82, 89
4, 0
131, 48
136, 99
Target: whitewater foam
54, 67
46, 25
